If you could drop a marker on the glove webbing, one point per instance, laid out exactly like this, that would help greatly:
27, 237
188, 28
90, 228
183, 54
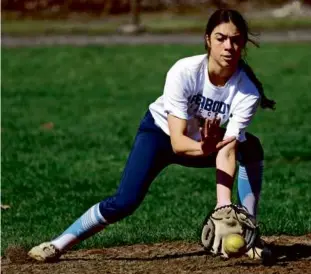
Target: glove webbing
250, 234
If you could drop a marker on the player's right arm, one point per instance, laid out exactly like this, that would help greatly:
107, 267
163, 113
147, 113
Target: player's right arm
183, 145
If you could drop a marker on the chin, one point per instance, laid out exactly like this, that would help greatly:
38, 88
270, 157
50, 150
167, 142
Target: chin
225, 64
230, 64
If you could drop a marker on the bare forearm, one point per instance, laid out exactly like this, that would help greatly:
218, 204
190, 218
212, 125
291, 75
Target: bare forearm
226, 161
225, 173
186, 146
183, 145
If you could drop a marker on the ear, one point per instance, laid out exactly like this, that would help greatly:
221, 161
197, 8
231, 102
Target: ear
208, 41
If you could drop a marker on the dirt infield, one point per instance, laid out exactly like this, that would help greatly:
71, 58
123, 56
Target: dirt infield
293, 253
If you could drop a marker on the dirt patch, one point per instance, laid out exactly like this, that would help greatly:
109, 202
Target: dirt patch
293, 256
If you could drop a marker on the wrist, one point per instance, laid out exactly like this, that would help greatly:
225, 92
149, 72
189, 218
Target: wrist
224, 203
205, 149
224, 187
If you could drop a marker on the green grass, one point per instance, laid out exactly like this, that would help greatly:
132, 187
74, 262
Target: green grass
95, 96
154, 23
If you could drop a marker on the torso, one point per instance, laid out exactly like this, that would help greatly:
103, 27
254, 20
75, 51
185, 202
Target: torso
204, 100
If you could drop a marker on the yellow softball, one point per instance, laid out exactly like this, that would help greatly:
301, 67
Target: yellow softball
234, 245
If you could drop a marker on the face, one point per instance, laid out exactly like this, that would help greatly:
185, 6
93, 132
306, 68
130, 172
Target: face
226, 44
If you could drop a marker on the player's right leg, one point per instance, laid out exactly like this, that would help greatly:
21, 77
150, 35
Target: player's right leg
150, 153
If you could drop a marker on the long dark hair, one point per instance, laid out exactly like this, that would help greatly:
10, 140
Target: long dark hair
228, 15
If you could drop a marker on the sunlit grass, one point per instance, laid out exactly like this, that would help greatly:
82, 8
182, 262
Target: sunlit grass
93, 99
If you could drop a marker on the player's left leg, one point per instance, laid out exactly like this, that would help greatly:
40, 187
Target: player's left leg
250, 177
250, 173
251, 156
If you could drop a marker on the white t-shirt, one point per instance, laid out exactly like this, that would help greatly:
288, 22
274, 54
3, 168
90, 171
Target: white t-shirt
189, 94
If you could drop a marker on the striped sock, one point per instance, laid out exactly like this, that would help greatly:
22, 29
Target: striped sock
249, 185
87, 225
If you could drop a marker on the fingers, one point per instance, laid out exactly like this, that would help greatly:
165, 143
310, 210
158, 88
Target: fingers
214, 127
225, 142
217, 123
202, 133
210, 128
206, 127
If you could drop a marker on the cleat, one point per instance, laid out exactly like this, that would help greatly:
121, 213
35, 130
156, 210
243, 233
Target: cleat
262, 252
45, 252
256, 252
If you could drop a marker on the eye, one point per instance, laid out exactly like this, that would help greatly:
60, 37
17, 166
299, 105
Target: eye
236, 40
220, 39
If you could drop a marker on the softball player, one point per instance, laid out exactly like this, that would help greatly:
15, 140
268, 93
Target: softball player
201, 93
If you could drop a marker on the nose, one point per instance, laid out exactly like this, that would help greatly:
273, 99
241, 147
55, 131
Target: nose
228, 44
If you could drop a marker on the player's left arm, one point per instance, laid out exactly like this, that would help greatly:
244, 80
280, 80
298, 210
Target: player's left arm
240, 118
225, 172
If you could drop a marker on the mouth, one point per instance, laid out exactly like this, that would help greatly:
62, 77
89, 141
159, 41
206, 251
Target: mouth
227, 57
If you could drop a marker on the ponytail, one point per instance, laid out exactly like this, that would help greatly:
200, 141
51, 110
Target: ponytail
265, 102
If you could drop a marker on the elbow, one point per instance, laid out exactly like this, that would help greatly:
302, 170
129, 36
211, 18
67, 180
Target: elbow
177, 149
230, 150
232, 154
233, 149
177, 146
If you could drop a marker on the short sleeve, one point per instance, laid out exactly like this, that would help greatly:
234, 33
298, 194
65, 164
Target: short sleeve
241, 117
176, 93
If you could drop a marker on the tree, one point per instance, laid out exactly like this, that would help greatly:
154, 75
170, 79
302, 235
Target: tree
135, 12
134, 26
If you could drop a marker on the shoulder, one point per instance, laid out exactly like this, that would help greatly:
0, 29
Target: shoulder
189, 65
247, 87
247, 95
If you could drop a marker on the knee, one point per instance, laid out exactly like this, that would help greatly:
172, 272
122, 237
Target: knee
251, 150
117, 207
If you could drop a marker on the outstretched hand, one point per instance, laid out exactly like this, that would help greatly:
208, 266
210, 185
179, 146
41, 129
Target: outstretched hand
212, 135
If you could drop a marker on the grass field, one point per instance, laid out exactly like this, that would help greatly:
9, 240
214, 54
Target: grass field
156, 23
95, 97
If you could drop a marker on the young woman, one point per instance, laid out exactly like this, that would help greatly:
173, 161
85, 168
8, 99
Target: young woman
182, 126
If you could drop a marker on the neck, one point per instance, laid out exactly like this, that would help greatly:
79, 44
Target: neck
219, 75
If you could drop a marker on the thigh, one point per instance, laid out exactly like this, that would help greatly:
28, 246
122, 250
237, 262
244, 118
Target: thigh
251, 150
150, 153
148, 126
198, 162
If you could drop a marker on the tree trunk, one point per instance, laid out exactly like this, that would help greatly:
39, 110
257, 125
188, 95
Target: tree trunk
135, 12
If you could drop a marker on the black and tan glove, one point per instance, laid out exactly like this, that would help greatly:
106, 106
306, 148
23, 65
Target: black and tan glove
225, 220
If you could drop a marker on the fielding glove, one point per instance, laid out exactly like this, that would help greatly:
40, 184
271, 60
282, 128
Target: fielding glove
225, 220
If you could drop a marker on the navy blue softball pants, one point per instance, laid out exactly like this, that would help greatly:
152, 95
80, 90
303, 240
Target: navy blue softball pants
151, 153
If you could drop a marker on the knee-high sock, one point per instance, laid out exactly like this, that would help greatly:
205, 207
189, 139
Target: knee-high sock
87, 225
249, 185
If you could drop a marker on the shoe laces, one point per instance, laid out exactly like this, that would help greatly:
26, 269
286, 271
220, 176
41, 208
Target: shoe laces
50, 250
